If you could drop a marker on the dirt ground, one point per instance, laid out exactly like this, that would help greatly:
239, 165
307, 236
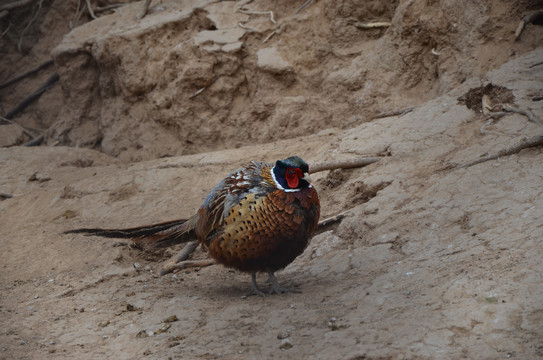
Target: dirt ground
432, 261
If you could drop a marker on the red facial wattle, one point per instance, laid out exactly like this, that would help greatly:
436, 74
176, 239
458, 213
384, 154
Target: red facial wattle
293, 176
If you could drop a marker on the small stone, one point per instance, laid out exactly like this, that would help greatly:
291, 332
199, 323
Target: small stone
130, 307
142, 334
103, 323
283, 335
171, 318
285, 344
164, 329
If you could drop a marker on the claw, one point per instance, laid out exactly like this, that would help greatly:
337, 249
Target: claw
278, 289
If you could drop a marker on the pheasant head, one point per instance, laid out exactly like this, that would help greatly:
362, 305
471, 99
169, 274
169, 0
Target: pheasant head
291, 174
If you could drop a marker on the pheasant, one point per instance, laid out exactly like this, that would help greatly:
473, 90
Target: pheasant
257, 219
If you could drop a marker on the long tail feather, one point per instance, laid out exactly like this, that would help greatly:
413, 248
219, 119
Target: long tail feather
156, 235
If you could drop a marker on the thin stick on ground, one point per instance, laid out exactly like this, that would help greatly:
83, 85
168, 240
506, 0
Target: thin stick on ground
332, 219
527, 19
91, 13
372, 25
523, 144
304, 5
78, 12
26, 74
35, 95
27, 132
197, 92
187, 250
243, 26
249, 12
489, 122
35, 142
20, 44
347, 164
269, 36
15, 4
393, 113
526, 113
107, 8
5, 31
166, 269
492, 115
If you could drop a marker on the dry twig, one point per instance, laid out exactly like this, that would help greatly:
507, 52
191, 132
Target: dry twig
166, 269
269, 36
35, 142
25, 130
489, 111
526, 113
304, 5
91, 13
26, 74
373, 25
198, 92
332, 219
187, 250
5, 31
523, 144
526, 19
249, 12
78, 12
243, 26
20, 44
35, 95
107, 8
15, 4
393, 113
332, 165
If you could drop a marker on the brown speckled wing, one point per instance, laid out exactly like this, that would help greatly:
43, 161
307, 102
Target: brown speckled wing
227, 194
266, 231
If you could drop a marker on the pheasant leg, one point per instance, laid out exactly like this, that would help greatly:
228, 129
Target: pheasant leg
278, 289
255, 290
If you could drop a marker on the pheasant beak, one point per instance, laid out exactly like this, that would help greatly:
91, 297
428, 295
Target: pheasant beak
307, 178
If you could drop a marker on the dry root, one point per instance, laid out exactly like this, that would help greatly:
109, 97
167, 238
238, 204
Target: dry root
332, 165
523, 144
527, 19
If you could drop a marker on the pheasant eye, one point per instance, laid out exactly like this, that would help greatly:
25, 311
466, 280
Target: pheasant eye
293, 176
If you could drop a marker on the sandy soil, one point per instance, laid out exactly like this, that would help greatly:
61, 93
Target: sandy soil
432, 261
